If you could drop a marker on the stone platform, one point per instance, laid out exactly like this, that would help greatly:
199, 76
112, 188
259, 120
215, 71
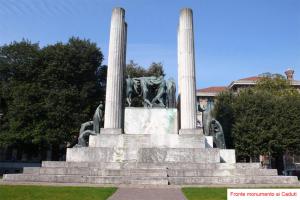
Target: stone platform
150, 159
151, 174
157, 158
136, 159
150, 121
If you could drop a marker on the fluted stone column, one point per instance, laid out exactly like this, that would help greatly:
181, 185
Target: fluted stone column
115, 73
186, 72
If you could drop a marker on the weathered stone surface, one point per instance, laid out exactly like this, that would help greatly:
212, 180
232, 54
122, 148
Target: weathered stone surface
190, 131
150, 121
93, 171
87, 179
101, 154
140, 165
135, 141
209, 142
111, 131
151, 173
227, 155
220, 172
102, 165
143, 154
246, 165
186, 72
115, 71
231, 180
178, 155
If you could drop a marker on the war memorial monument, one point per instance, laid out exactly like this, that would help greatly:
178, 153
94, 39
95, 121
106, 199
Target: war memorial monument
155, 144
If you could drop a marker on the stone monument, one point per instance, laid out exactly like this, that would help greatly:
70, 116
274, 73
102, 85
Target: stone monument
150, 145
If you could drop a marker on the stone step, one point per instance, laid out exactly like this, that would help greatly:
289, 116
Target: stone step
217, 180
233, 180
220, 172
178, 155
95, 171
103, 165
134, 165
179, 165
86, 179
147, 172
247, 165
216, 166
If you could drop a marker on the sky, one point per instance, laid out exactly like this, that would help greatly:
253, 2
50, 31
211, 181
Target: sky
233, 38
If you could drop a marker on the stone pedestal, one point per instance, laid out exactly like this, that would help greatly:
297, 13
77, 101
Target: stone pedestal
190, 131
137, 141
209, 142
150, 121
111, 131
227, 156
186, 71
115, 73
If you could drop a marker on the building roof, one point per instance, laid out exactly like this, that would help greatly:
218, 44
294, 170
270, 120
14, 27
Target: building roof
213, 89
248, 81
252, 78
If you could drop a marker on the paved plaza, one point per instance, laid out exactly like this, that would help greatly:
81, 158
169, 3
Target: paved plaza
148, 194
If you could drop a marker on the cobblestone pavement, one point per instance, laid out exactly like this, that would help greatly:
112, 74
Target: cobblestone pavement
148, 194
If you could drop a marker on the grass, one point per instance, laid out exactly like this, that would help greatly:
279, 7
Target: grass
8, 192
205, 193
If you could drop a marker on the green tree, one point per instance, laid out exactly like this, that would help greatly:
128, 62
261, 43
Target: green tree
49, 92
70, 81
265, 118
155, 69
253, 128
134, 70
223, 111
20, 94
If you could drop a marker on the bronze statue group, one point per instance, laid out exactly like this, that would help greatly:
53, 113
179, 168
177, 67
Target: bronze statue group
155, 92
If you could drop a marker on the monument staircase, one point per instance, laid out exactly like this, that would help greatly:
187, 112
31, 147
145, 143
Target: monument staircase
150, 159
151, 174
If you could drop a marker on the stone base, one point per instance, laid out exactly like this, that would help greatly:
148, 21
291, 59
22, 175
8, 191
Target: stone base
158, 159
111, 131
150, 121
190, 131
177, 173
227, 155
135, 141
141, 147
209, 142
143, 155
178, 155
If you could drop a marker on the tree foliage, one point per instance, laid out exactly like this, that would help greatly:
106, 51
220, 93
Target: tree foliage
46, 93
135, 70
265, 119
223, 110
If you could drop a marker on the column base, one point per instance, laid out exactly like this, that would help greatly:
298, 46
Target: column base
111, 131
190, 131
